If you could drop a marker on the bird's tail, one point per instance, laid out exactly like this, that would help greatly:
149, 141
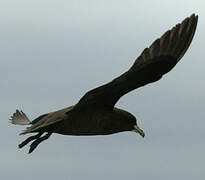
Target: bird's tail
19, 118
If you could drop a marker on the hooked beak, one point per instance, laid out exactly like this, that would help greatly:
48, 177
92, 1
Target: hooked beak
138, 130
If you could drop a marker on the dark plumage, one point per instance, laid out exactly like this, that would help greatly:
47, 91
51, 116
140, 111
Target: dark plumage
95, 113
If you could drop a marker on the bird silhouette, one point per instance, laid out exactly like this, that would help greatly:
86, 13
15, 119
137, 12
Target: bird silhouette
95, 113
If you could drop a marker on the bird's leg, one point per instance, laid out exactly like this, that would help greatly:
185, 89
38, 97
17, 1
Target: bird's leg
31, 138
38, 141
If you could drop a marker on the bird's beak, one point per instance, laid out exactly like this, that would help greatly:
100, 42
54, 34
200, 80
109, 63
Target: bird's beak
138, 130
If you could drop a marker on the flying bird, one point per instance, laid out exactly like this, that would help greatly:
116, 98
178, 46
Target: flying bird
95, 113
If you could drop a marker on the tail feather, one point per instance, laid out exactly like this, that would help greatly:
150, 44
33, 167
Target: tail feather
19, 118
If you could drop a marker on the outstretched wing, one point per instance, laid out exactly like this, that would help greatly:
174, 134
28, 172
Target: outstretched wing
150, 66
46, 120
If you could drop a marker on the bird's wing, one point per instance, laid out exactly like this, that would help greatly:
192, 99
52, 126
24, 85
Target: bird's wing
42, 123
46, 120
150, 66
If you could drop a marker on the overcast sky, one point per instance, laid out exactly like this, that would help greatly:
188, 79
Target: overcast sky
53, 51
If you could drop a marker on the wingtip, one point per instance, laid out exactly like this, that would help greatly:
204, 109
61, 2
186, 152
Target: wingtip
192, 25
194, 16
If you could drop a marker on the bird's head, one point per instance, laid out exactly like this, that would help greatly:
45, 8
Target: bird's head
133, 126
127, 122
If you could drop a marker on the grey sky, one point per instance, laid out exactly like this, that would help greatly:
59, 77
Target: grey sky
52, 52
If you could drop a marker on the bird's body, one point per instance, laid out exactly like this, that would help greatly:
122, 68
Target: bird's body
95, 113
69, 121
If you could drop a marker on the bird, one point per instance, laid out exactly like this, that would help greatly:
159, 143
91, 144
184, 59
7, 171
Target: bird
95, 113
